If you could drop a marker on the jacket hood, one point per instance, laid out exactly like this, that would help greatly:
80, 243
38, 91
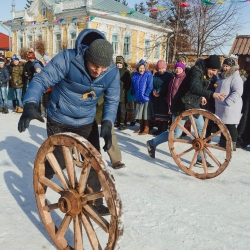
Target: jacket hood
200, 64
230, 72
86, 37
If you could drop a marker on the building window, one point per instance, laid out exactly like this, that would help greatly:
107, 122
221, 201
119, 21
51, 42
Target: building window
72, 40
20, 42
29, 42
44, 14
58, 43
147, 49
157, 50
40, 37
126, 46
115, 44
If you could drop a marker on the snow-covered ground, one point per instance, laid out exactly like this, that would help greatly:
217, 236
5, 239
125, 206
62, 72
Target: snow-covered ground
163, 207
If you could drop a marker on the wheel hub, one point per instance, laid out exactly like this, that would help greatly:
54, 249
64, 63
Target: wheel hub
70, 202
198, 144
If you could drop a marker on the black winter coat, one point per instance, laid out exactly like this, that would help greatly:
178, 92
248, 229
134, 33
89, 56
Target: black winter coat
192, 89
4, 76
243, 127
125, 83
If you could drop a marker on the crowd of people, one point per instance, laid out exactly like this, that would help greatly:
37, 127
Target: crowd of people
82, 88
15, 76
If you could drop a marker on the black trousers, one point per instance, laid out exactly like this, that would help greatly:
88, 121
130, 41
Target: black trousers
233, 132
121, 114
89, 132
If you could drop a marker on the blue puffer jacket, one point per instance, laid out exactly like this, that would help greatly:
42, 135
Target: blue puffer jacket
142, 86
68, 74
4, 76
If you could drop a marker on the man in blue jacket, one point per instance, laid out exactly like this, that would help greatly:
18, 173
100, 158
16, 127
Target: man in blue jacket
79, 77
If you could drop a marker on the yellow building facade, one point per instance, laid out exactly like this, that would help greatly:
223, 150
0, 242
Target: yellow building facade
58, 23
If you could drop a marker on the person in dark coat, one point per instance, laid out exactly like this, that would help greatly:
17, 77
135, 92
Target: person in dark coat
191, 93
4, 78
243, 128
125, 82
161, 81
79, 77
29, 70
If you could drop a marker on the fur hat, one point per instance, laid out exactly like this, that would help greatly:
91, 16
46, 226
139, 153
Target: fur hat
213, 62
119, 59
161, 64
100, 52
180, 65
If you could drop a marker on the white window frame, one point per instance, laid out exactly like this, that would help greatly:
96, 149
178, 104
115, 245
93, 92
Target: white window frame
147, 49
19, 43
57, 31
29, 41
44, 12
115, 44
72, 29
157, 50
127, 34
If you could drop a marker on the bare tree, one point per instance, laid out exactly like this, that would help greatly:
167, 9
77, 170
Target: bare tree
40, 46
213, 26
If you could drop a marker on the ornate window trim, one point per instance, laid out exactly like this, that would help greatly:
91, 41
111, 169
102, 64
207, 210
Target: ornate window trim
72, 29
115, 31
127, 34
57, 30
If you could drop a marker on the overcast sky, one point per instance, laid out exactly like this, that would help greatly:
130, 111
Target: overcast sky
5, 14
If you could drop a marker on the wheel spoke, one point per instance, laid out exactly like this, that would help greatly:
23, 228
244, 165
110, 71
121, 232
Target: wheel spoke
209, 145
213, 135
204, 128
50, 207
57, 169
194, 159
96, 217
45, 181
213, 157
76, 153
78, 232
93, 196
90, 232
64, 226
68, 158
204, 163
185, 130
182, 140
83, 177
194, 126
185, 152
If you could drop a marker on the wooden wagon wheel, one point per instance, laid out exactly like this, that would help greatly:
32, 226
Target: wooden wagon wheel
183, 150
65, 201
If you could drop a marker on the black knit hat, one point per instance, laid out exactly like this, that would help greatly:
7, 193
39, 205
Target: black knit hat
100, 53
1, 60
229, 61
213, 62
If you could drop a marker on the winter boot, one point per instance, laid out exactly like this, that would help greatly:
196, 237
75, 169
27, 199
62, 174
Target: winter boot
19, 110
141, 122
1, 109
5, 110
146, 128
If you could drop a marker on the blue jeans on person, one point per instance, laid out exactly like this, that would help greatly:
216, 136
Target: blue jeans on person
3, 97
18, 96
163, 137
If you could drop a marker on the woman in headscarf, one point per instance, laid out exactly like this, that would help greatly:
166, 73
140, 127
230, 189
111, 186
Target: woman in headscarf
142, 86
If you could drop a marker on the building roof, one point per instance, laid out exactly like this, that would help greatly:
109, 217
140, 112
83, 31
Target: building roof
241, 45
4, 42
112, 6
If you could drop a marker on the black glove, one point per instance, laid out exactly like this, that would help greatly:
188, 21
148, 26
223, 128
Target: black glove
106, 134
30, 112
